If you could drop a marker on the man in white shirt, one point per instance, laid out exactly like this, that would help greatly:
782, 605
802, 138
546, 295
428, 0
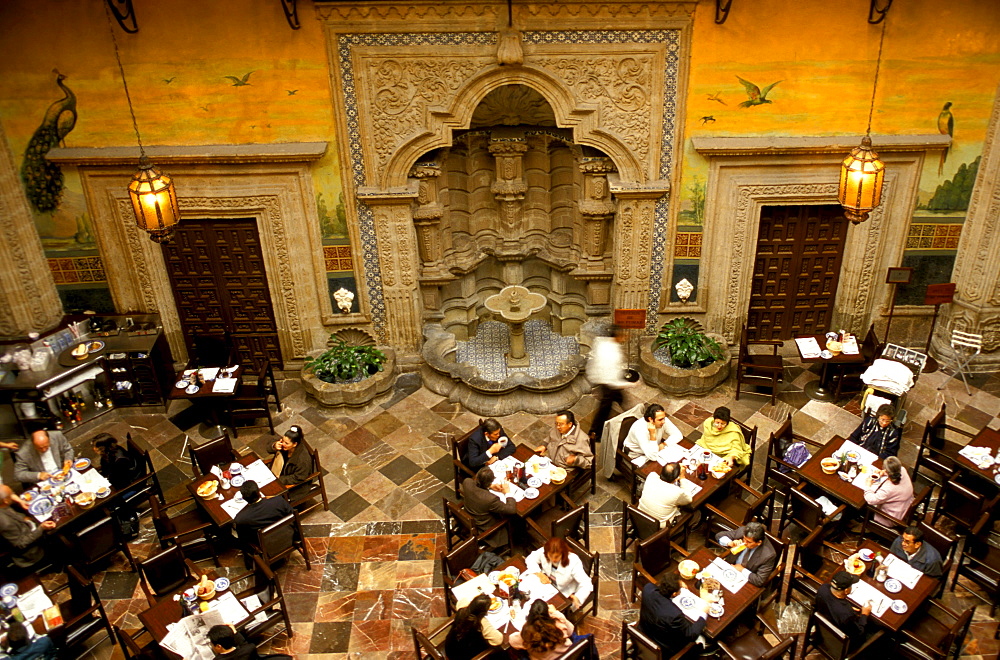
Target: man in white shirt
645, 438
662, 494
606, 372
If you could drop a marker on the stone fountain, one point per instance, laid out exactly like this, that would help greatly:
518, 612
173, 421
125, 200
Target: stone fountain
515, 304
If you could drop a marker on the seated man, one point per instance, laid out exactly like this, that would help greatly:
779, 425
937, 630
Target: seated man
47, 453
724, 437
257, 514
488, 444
910, 547
831, 602
757, 554
293, 462
485, 507
568, 445
20, 532
229, 644
878, 434
20, 647
645, 437
662, 619
662, 495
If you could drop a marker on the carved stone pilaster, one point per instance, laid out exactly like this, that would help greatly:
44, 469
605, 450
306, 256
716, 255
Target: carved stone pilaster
398, 256
509, 186
29, 301
976, 307
596, 207
428, 213
635, 224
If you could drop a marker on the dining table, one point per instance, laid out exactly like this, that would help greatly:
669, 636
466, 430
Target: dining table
29, 586
211, 391
913, 596
820, 390
220, 507
64, 509
546, 491
735, 604
708, 487
987, 438
834, 485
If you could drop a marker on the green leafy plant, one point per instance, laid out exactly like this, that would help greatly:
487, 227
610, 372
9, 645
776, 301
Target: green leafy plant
343, 362
687, 345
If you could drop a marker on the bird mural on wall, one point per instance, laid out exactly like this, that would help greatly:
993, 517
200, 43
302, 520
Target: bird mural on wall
715, 97
291, 92
946, 126
757, 96
706, 119
240, 82
43, 181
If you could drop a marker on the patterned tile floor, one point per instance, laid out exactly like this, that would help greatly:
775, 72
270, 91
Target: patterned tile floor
545, 348
375, 573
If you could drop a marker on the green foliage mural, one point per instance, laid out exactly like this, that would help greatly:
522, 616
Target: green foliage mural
332, 225
954, 194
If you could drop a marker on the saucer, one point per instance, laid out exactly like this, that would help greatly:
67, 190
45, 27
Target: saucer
531, 493
893, 586
866, 555
898, 606
192, 389
237, 481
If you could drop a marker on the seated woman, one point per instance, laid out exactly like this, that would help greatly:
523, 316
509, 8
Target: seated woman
554, 563
118, 465
891, 495
878, 434
546, 633
293, 462
471, 632
723, 437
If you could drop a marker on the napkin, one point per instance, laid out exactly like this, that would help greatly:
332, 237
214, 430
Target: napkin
209, 374
233, 506
865, 457
225, 385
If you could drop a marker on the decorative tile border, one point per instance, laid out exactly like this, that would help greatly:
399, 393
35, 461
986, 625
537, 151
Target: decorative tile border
369, 241
338, 258
77, 270
933, 237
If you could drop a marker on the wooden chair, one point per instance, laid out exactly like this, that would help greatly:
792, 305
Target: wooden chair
459, 450
654, 556
934, 632
253, 400
935, 463
980, 563
212, 349
780, 475
459, 525
871, 527
137, 493
270, 611
452, 563
94, 544
623, 463
573, 524
754, 644
83, 615
758, 369
831, 642
430, 646
968, 509
806, 514
636, 526
636, 645
164, 573
750, 435
176, 523
302, 497
591, 564
581, 649
582, 476
735, 511
211, 453
943, 543
279, 539
132, 649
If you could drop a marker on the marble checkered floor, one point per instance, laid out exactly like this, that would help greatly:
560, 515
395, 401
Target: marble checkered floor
374, 573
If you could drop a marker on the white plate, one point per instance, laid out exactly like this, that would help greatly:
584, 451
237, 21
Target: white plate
534, 482
181, 384
221, 584
687, 602
893, 586
730, 574
898, 606
997, 478
716, 611
531, 493
237, 480
825, 354
8, 589
192, 389
866, 555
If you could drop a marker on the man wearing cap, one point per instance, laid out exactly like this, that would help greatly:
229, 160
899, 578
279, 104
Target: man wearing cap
910, 547
831, 602
258, 513
757, 554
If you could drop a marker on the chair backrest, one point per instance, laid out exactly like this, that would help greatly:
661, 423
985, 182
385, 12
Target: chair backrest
211, 349
638, 524
934, 430
968, 341
582, 648
460, 445
165, 571
781, 648
278, 538
213, 452
458, 524
148, 481
958, 631
756, 508
944, 544
807, 512
626, 426
827, 638
424, 647
96, 541
918, 500
636, 645
574, 524
654, 553
462, 556
82, 591
870, 345
959, 502
591, 563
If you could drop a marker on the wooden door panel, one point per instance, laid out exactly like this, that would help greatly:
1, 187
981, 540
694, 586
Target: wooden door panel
794, 284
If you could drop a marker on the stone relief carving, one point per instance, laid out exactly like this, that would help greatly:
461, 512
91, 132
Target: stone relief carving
513, 105
620, 85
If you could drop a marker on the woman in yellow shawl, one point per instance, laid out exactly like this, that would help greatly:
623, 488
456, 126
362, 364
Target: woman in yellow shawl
723, 437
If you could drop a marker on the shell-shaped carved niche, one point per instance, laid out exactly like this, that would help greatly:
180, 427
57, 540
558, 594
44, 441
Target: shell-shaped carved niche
353, 337
513, 105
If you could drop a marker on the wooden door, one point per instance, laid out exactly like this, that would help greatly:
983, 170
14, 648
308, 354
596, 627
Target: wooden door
216, 268
796, 270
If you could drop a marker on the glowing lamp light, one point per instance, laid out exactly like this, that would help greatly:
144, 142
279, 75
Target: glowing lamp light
861, 182
154, 201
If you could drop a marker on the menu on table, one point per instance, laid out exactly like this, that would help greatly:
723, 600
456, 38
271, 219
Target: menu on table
899, 569
808, 347
477, 585
727, 574
691, 605
258, 472
862, 593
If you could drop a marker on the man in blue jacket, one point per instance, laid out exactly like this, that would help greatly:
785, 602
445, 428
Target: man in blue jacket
663, 620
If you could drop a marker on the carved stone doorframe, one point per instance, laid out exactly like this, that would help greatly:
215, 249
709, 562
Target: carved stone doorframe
746, 174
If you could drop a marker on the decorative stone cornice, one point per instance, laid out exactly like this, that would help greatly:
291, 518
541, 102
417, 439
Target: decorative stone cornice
287, 152
755, 146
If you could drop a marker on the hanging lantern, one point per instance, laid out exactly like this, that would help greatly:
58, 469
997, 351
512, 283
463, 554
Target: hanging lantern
154, 201
861, 182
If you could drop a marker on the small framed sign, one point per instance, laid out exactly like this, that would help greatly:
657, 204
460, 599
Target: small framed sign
939, 294
900, 275
631, 319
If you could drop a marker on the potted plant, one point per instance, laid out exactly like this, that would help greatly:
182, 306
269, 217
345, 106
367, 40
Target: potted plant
351, 371
683, 359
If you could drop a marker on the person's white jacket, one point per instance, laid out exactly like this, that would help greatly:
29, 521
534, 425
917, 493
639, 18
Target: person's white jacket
570, 580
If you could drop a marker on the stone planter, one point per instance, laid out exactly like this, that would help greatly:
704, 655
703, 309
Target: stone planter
353, 395
683, 382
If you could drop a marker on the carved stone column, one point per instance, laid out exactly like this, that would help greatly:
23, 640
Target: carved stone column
29, 301
976, 307
399, 262
509, 187
596, 207
633, 247
427, 216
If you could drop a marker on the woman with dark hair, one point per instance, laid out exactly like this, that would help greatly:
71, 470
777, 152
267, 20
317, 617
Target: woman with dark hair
546, 632
554, 563
471, 632
118, 465
20, 647
723, 437
293, 461
877, 433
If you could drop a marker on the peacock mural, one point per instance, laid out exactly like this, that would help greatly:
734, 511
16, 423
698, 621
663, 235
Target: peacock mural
43, 181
